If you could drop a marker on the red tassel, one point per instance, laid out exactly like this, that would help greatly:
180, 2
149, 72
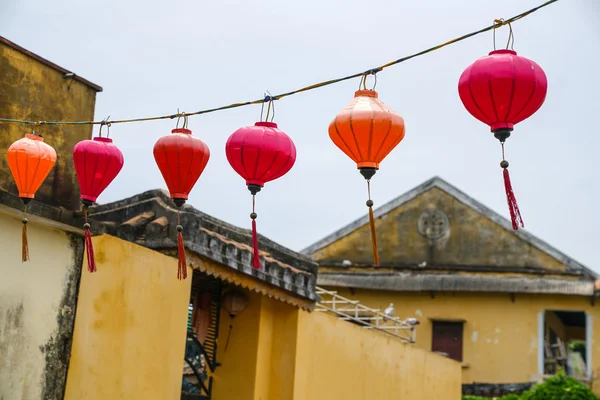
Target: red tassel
89, 248
182, 267
256, 256
515, 214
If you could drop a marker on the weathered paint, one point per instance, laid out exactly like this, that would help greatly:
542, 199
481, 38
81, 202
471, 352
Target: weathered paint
278, 352
506, 349
34, 91
130, 326
474, 239
37, 306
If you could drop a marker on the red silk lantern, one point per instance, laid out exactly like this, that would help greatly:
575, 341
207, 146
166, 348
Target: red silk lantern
181, 159
367, 130
501, 90
260, 154
30, 161
97, 164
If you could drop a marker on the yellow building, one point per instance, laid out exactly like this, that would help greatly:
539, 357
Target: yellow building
132, 330
502, 302
38, 299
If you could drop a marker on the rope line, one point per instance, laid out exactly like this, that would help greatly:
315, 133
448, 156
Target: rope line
269, 99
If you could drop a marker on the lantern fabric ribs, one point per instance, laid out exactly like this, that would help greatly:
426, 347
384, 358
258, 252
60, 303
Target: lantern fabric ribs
261, 153
30, 161
97, 164
367, 130
181, 159
503, 89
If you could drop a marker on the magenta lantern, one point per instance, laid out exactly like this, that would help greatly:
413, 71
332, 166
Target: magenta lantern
260, 154
501, 90
97, 163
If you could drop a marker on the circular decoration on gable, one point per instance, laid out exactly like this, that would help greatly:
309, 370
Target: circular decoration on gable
433, 224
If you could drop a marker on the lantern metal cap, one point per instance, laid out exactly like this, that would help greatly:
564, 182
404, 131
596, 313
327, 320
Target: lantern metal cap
103, 139
266, 124
503, 51
366, 93
34, 137
182, 130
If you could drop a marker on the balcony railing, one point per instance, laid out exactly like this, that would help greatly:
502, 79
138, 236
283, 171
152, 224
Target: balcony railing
368, 318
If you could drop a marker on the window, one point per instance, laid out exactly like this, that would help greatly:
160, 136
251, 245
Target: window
447, 337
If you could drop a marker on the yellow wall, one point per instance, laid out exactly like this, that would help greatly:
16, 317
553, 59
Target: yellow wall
340, 360
277, 352
33, 91
500, 342
30, 301
130, 326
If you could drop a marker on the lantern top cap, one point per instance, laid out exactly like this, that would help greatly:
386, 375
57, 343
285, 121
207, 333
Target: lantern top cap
182, 130
267, 124
503, 51
103, 139
366, 93
34, 137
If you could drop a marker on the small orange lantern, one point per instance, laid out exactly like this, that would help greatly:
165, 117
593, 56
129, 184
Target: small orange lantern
367, 131
30, 161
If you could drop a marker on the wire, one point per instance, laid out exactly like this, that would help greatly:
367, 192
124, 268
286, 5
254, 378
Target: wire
267, 99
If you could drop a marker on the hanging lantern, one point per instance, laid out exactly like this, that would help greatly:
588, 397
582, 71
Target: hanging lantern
30, 161
234, 303
260, 154
501, 90
97, 164
181, 159
367, 130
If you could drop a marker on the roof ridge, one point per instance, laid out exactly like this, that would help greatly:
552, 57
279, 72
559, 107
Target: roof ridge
467, 200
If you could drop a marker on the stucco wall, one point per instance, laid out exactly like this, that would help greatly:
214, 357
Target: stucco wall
473, 239
277, 352
340, 360
500, 339
130, 326
33, 91
37, 303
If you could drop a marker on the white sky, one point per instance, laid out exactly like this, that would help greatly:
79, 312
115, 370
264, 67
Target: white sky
152, 57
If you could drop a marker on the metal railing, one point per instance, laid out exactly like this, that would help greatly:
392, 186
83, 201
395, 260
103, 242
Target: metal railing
368, 318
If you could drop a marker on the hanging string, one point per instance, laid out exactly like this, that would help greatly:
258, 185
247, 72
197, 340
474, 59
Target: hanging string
255, 254
24, 241
372, 224
89, 248
181, 257
304, 89
513, 207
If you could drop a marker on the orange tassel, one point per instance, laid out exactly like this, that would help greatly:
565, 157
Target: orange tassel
373, 233
24, 242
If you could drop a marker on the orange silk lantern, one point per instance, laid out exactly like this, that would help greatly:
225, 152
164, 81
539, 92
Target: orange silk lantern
30, 161
367, 131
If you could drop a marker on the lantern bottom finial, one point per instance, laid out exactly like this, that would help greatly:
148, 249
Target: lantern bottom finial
367, 172
25, 200
502, 134
253, 188
179, 202
87, 203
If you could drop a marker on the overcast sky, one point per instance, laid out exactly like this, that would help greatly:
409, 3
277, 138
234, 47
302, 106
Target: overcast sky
152, 57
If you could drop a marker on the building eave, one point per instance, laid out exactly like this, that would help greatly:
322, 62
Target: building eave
437, 182
408, 282
150, 218
50, 64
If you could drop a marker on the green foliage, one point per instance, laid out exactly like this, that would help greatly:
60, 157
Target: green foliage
560, 387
